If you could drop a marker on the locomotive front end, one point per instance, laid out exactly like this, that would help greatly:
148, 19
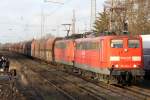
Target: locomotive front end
126, 58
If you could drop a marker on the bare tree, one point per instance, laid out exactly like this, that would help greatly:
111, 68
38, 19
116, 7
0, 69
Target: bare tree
138, 16
133, 15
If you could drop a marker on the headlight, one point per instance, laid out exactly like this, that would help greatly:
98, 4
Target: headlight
136, 58
1, 69
114, 58
116, 66
135, 66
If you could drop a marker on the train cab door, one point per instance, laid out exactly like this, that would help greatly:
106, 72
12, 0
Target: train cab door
64, 51
83, 52
124, 53
101, 51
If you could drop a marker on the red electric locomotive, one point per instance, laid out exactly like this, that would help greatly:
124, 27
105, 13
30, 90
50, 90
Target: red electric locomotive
115, 58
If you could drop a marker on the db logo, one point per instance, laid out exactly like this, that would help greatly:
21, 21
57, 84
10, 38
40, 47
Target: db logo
126, 50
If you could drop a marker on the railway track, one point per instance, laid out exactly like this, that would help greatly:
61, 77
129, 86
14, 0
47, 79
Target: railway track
50, 84
90, 89
92, 94
70, 97
54, 83
134, 91
130, 92
138, 90
124, 91
144, 91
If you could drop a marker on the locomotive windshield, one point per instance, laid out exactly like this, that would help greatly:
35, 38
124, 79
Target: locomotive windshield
117, 43
133, 43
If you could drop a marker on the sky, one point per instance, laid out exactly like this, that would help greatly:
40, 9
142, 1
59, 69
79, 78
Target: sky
21, 19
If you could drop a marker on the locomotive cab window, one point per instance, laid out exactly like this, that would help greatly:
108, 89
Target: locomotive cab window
61, 45
133, 43
79, 46
116, 43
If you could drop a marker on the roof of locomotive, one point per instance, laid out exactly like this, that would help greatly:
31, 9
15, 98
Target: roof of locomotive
64, 40
107, 37
97, 38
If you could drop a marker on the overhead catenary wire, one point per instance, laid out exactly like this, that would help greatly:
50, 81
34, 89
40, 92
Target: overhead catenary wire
55, 2
58, 8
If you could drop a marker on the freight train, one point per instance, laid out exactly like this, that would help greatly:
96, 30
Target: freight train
113, 59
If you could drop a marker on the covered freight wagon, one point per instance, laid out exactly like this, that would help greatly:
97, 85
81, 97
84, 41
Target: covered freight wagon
50, 49
27, 48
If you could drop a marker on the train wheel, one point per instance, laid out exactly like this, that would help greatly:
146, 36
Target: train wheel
75, 70
80, 72
129, 78
104, 78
